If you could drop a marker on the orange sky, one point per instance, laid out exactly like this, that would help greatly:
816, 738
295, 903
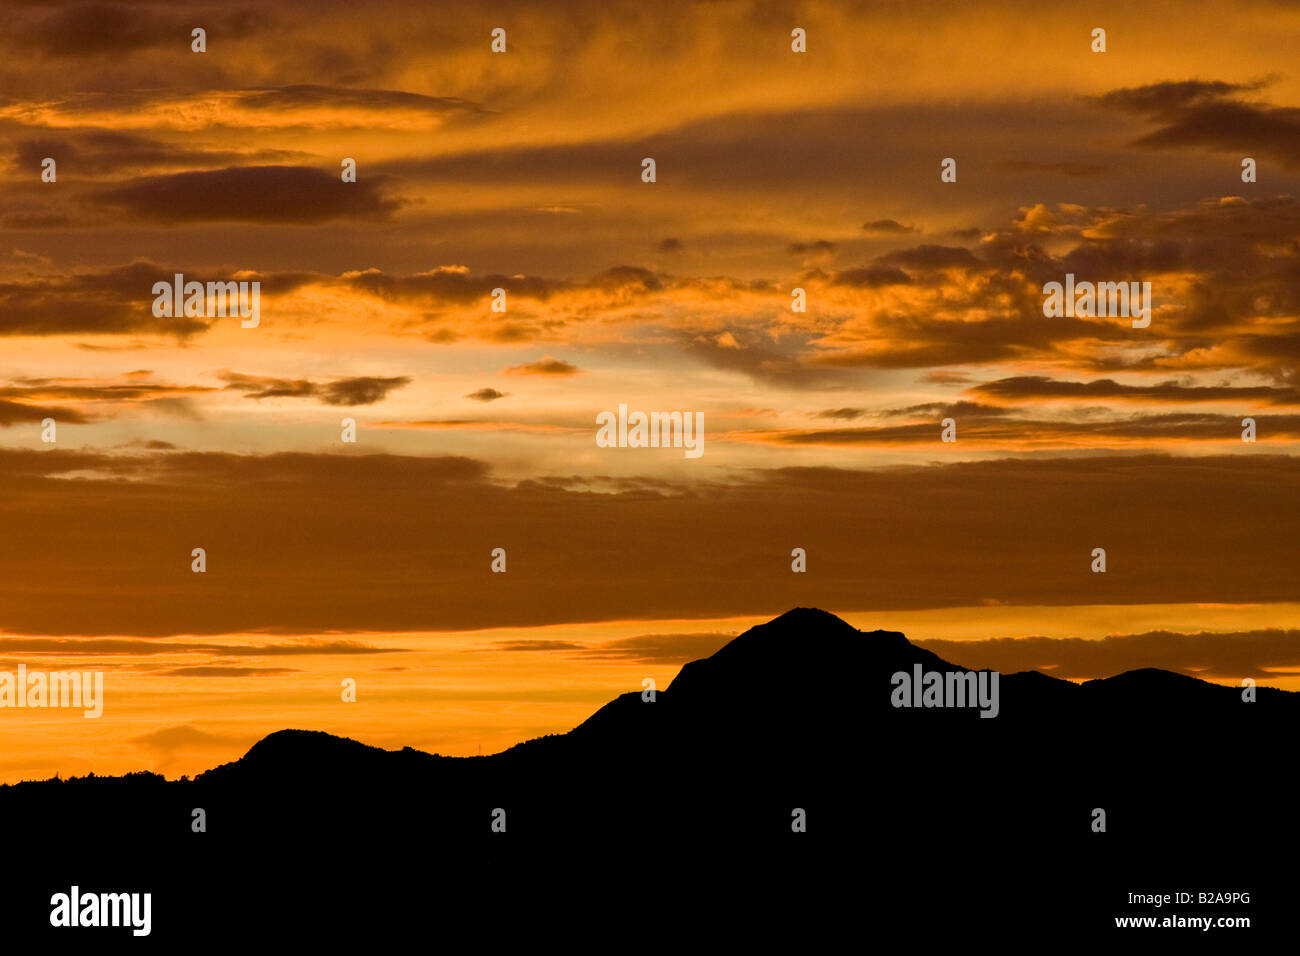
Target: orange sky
522, 171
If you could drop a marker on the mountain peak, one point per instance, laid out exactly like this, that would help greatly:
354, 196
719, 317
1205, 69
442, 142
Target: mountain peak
806, 617
803, 648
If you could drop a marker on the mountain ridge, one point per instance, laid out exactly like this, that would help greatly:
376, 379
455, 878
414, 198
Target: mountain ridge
735, 673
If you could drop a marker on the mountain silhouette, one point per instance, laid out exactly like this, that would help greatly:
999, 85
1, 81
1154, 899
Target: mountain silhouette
793, 717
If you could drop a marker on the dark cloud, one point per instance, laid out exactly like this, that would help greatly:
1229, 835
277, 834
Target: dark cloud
947, 409
816, 247
315, 95
30, 393
1212, 115
111, 29
537, 645
984, 425
544, 366
887, 227
261, 194
765, 355
871, 277
450, 286
929, 257
486, 395
260, 387
76, 390
117, 300
623, 277
362, 390
1170, 97
98, 646
1029, 387
89, 152
20, 413
644, 649
303, 543
1222, 274
670, 245
928, 340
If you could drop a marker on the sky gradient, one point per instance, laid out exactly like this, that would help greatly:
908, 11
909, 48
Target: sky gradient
476, 429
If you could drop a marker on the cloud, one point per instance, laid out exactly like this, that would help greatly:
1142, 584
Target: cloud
946, 409
539, 645
871, 277
660, 648
21, 413
109, 29
450, 285
113, 301
167, 740
621, 278
544, 366
929, 257
362, 390
644, 649
97, 152
275, 195
887, 227
764, 355
991, 427
96, 646
1032, 387
1211, 115
1221, 269
311, 96
486, 395
1170, 97
89, 390
260, 387
93, 400
816, 247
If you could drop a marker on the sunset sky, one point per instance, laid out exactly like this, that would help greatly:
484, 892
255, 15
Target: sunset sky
476, 429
